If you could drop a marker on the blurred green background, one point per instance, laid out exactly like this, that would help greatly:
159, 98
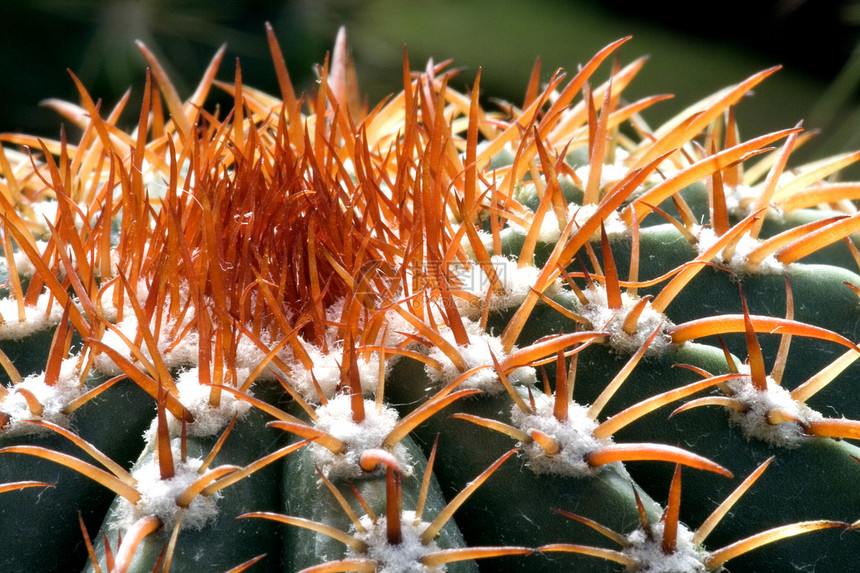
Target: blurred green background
694, 50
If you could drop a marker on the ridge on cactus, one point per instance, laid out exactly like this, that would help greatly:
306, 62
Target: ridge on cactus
275, 337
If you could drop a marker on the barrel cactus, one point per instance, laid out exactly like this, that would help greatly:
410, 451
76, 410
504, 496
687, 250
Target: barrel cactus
308, 334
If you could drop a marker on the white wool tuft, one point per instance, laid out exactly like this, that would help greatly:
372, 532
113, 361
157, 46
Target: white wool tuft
208, 420
156, 181
738, 263
46, 210
185, 353
102, 361
479, 352
158, 496
602, 317
54, 400
753, 421
485, 238
396, 332
108, 308
549, 229
326, 372
517, 284
25, 267
175, 354
403, 557
647, 552
740, 198
37, 317
612, 223
335, 418
575, 437
612, 173
249, 355
551, 233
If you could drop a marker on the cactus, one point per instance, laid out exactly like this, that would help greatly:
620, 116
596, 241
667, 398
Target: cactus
308, 334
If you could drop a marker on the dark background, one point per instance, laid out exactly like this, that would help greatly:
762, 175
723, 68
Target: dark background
693, 50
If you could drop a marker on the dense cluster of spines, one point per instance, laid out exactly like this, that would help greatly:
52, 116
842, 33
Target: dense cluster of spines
298, 289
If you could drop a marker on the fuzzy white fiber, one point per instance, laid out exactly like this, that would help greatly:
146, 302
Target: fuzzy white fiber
612, 223
327, 365
611, 173
25, 267
54, 400
327, 373
208, 420
549, 228
516, 282
108, 308
753, 421
647, 551
249, 356
479, 352
158, 496
550, 232
182, 353
403, 557
485, 238
575, 437
335, 418
740, 199
738, 263
37, 317
602, 317
185, 353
